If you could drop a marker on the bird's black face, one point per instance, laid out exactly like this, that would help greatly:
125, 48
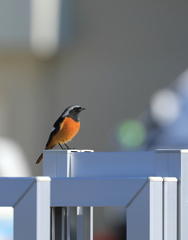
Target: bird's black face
77, 109
73, 112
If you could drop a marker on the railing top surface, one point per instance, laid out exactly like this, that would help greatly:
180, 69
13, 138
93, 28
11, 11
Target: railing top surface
172, 151
13, 188
97, 164
65, 151
77, 163
113, 191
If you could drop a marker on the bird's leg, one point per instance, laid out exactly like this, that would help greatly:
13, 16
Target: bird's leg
61, 146
67, 146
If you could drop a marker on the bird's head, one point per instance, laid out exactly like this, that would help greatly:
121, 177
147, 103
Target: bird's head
73, 112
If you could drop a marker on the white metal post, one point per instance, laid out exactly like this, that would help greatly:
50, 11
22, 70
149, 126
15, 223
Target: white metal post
32, 212
145, 212
170, 208
91, 223
80, 223
174, 163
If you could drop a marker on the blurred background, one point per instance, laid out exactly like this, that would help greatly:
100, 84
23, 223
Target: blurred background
124, 61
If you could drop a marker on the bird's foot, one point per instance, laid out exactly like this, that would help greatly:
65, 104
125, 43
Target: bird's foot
61, 146
67, 146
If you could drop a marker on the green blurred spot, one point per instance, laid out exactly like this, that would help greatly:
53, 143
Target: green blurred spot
131, 134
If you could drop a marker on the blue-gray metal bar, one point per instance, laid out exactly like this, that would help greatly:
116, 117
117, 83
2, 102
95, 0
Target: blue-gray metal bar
113, 164
12, 189
32, 212
145, 212
164, 163
94, 191
57, 163
170, 208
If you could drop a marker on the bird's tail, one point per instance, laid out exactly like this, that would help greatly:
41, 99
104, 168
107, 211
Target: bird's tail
40, 158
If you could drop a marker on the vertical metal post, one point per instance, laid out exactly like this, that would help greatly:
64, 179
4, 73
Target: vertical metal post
145, 212
174, 163
84, 223
32, 212
80, 223
88, 223
85, 219
58, 164
63, 224
91, 223
68, 224
53, 223
170, 208
156, 208
182, 197
68, 208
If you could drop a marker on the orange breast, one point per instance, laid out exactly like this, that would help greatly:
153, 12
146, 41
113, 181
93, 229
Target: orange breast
68, 129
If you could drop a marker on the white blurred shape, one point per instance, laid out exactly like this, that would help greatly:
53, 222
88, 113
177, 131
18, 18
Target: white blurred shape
13, 162
6, 223
165, 107
45, 26
6, 213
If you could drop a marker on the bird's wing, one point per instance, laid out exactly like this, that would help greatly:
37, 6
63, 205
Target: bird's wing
55, 129
58, 122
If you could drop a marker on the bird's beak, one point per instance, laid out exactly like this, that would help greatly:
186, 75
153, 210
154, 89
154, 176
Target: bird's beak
83, 109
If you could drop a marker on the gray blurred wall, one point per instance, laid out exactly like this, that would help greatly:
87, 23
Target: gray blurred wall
113, 55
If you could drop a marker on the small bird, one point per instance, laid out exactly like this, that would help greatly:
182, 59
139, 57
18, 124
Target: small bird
64, 129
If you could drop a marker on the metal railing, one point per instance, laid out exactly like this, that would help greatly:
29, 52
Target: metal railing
153, 187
